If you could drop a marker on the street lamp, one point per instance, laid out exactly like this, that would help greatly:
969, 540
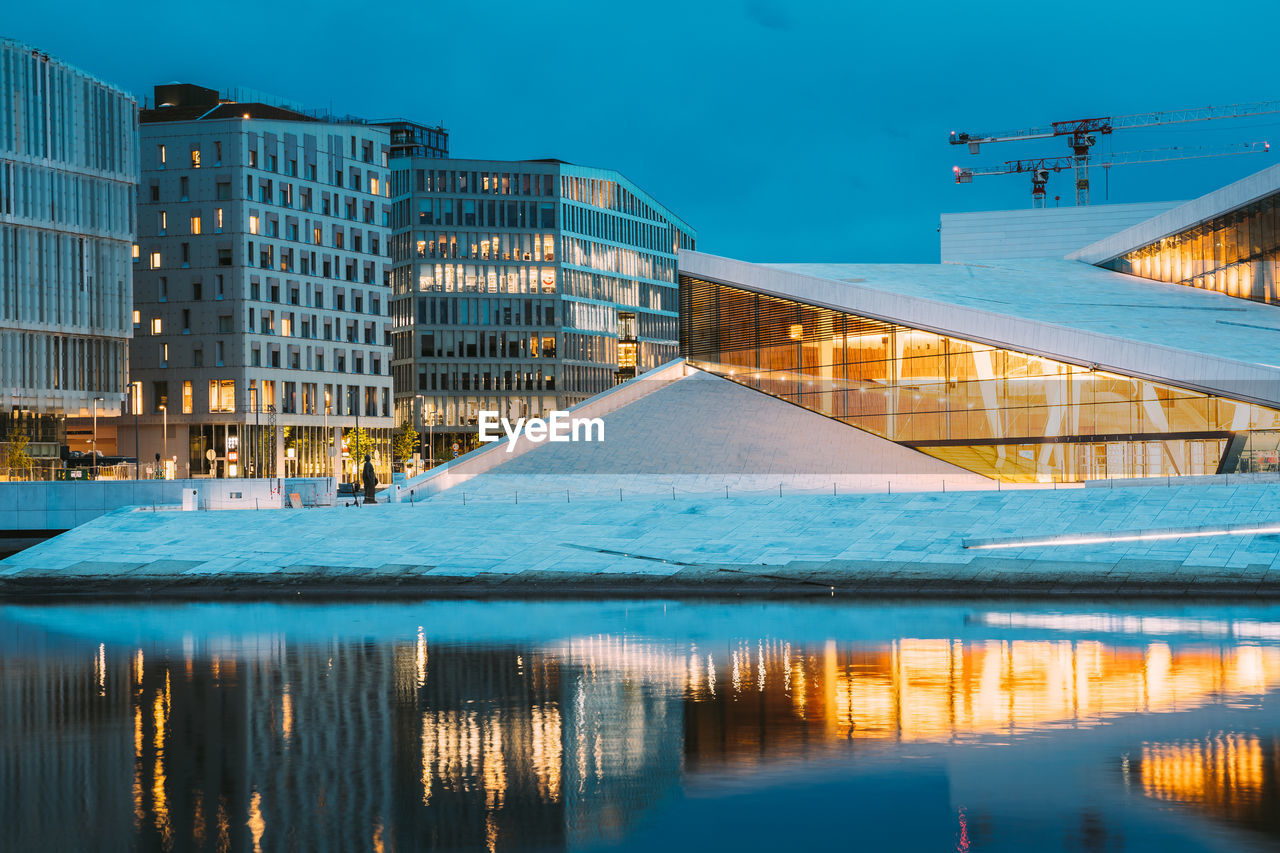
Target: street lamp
96, 401
164, 410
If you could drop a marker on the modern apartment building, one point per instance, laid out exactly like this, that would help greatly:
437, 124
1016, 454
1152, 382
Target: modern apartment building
262, 306
523, 287
68, 179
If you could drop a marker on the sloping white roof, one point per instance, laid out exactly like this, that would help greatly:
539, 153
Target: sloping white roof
1068, 310
1183, 216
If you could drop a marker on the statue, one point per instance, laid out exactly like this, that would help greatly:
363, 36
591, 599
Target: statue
370, 480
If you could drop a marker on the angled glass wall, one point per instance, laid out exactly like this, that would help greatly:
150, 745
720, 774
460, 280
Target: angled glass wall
998, 412
1236, 254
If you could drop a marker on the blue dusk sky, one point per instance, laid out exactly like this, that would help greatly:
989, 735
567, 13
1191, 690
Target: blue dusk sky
782, 131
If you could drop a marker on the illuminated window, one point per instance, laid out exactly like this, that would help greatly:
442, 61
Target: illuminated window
373, 186
164, 355
136, 251
253, 224
217, 219
195, 225
222, 395
155, 260
160, 153
195, 158
164, 220
156, 325
137, 318
186, 398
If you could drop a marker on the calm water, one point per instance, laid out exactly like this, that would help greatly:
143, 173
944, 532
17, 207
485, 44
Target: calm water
639, 726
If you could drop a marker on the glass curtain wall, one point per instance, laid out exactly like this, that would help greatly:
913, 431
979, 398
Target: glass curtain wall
1236, 254
998, 412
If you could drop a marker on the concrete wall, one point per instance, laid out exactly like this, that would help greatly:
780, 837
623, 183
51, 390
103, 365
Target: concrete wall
62, 506
1050, 232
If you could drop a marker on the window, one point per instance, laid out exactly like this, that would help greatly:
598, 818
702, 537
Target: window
195, 157
136, 252
253, 223
160, 396
164, 220
184, 187
186, 398
224, 323
157, 326
217, 219
217, 152
155, 260
217, 353
224, 257
195, 224
253, 158
222, 395
163, 289
137, 318
224, 190
197, 357
186, 320
155, 192
160, 154
197, 290
164, 355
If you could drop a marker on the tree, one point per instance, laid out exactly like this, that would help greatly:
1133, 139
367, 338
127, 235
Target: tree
358, 442
405, 443
16, 455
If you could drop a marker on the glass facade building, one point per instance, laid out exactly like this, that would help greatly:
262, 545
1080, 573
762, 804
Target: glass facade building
1236, 253
997, 411
68, 182
510, 280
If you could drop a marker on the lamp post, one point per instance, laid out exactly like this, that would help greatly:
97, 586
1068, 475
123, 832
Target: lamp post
164, 410
96, 401
135, 403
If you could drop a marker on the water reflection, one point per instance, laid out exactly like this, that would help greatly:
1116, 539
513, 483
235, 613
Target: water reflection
414, 743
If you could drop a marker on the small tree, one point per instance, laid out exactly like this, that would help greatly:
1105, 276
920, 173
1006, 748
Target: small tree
358, 443
405, 443
16, 456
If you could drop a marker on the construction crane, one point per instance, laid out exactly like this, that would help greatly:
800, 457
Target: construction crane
1040, 167
1082, 134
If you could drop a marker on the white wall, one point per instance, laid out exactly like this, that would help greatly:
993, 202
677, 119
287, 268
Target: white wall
64, 505
1051, 232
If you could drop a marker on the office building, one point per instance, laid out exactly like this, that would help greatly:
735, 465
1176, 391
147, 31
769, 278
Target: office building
68, 177
262, 306
1027, 369
523, 287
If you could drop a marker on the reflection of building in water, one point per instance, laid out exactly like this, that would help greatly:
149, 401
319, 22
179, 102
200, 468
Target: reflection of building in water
58, 773
348, 745
1229, 776
773, 700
